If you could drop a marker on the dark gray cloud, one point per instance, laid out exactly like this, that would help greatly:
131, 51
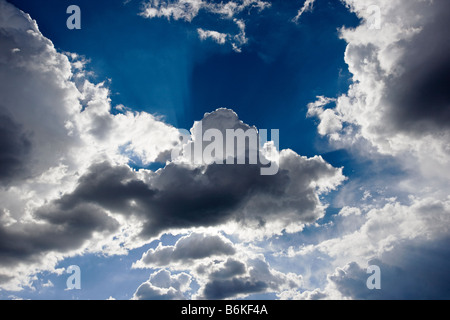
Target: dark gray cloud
420, 96
198, 246
414, 270
55, 230
111, 187
222, 289
241, 278
15, 147
5, 278
189, 197
231, 268
230, 281
180, 196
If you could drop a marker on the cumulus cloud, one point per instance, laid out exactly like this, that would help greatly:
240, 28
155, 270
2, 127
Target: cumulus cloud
56, 126
397, 100
163, 285
407, 242
240, 278
14, 149
26, 73
396, 107
187, 249
58, 231
182, 195
230, 269
382, 229
414, 270
222, 269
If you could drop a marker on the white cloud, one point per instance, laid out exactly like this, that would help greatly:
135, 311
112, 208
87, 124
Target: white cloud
222, 270
394, 237
382, 229
163, 285
218, 37
188, 9
380, 103
308, 5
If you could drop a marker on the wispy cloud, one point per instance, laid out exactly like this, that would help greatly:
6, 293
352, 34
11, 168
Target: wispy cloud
189, 9
307, 7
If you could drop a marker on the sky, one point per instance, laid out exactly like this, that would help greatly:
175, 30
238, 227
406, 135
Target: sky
96, 124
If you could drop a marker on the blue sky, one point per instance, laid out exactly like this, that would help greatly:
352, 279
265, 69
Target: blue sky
162, 66
367, 167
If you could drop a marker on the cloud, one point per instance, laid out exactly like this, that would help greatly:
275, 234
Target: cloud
408, 243
396, 101
307, 6
14, 149
185, 9
189, 9
221, 289
231, 268
181, 195
162, 285
195, 246
222, 269
39, 141
54, 125
218, 37
55, 231
414, 270
236, 40
396, 107
230, 282
384, 228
